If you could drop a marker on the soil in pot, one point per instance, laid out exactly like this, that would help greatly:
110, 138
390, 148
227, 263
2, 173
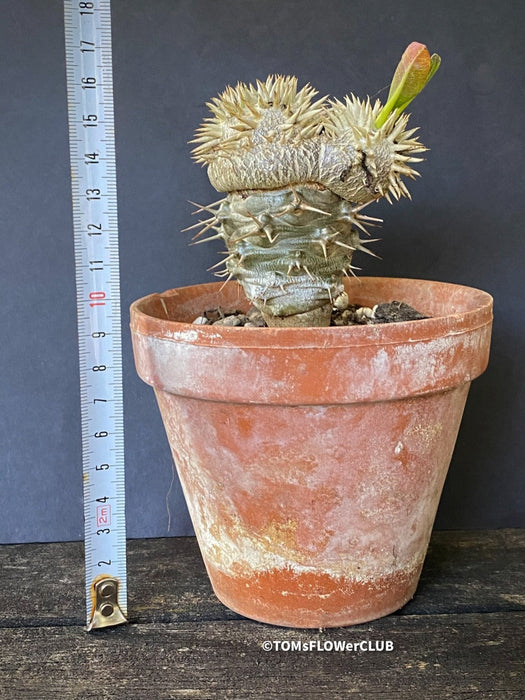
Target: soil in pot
343, 314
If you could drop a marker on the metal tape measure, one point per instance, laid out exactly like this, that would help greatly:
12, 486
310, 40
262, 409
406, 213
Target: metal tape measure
94, 192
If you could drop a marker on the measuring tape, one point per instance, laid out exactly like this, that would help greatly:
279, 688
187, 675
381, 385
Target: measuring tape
94, 191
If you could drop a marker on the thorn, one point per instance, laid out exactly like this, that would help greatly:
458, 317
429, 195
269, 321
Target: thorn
322, 243
344, 245
164, 307
208, 208
351, 271
309, 131
250, 123
296, 198
210, 238
286, 127
368, 252
408, 159
407, 135
259, 225
221, 262
205, 142
308, 273
351, 268
206, 228
404, 190
307, 207
288, 209
360, 226
355, 221
362, 217
200, 223
231, 140
293, 264
226, 281
412, 146
356, 210
252, 109
293, 117
404, 170
394, 189
244, 236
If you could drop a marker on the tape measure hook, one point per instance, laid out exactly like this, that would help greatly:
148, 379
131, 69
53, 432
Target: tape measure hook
106, 611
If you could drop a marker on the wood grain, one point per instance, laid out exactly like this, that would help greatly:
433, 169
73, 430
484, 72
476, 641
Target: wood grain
462, 636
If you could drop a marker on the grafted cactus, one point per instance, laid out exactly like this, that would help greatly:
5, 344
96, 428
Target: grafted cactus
297, 174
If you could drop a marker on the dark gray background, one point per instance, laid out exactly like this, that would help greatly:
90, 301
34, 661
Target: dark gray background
465, 223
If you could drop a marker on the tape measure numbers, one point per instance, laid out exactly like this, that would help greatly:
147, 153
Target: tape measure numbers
94, 194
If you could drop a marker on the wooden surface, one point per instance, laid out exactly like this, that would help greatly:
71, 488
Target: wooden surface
462, 636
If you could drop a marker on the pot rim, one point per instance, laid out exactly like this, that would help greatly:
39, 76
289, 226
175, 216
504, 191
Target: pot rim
470, 308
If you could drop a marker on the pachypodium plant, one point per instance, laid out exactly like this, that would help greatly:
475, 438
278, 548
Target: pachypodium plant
298, 173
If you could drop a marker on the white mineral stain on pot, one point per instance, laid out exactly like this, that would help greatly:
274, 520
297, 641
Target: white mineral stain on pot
235, 549
427, 433
185, 336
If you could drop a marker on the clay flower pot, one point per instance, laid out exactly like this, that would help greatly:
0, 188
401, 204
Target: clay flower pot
313, 459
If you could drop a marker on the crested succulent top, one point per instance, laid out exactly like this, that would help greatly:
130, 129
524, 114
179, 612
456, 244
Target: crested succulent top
272, 134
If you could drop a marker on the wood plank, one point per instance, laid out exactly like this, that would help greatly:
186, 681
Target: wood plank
475, 571
42, 584
452, 656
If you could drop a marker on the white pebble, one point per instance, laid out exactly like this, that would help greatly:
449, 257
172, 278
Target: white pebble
341, 302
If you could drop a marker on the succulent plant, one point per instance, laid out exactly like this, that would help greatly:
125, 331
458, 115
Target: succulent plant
298, 172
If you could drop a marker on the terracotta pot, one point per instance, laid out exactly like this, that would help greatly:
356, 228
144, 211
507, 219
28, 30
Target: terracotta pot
312, 459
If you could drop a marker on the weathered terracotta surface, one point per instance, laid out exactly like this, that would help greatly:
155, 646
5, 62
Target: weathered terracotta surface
312, 460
